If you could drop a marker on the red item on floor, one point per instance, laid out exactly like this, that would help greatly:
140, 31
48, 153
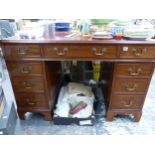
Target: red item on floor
81, 105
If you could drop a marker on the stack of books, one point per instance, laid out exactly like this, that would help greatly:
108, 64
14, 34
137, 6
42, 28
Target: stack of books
102, 35
2, 101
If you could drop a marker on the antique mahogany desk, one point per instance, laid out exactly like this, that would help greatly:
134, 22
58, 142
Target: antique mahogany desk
35, 71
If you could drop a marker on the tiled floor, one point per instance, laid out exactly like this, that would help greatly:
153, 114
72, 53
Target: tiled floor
122, 125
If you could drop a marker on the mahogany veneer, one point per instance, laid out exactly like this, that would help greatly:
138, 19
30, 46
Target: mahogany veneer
35, 71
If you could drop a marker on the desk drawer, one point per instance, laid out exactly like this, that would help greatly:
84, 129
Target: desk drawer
27, 84
31, 100
127, 102
137, 51
80, 51
25, 68
22, 51
130, 85
133, 69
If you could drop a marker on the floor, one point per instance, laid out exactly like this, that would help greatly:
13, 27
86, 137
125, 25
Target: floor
121, 125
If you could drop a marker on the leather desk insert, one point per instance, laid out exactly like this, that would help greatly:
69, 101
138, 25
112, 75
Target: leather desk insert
80, 51
34, 68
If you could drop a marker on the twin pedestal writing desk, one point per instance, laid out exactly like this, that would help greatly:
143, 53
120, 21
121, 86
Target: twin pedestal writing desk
34, 68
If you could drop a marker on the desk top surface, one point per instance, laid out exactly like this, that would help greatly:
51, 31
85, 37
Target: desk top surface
62, 38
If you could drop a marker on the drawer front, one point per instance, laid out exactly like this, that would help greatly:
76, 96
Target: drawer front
127, 102
82, 51
25, 68
27, 84
22, 51
130, 85
31, 100
137, 51
133, 69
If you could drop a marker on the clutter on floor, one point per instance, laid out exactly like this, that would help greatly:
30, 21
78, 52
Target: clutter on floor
75, 100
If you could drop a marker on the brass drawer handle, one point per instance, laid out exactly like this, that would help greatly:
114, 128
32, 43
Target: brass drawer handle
132, 73
60, 52
138, 53
131, 88
27, 85
22, 51
99, 53
26, 70
125, 104
29, 102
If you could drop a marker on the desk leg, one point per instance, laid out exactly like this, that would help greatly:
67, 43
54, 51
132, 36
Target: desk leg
137, 116
21, 115
110, 116
47, 115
